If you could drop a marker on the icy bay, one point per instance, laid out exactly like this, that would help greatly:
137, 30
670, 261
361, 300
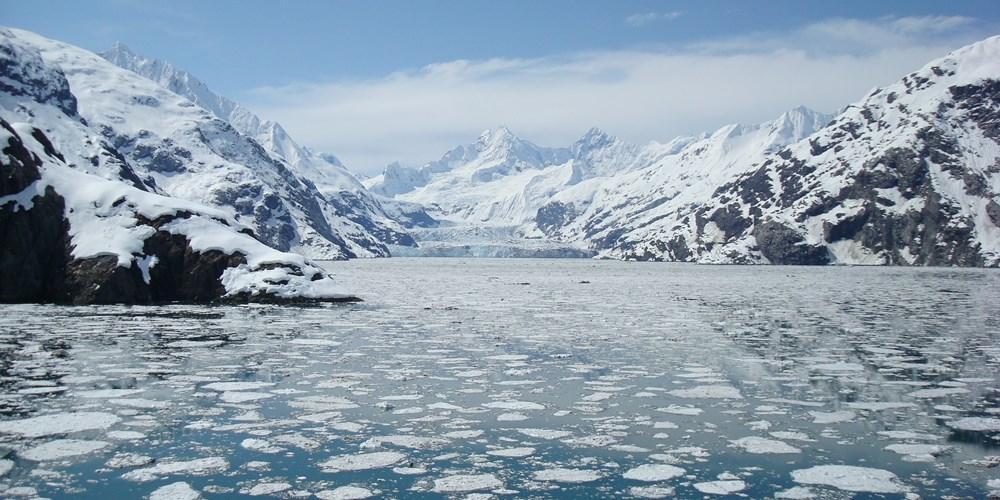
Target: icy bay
541, 378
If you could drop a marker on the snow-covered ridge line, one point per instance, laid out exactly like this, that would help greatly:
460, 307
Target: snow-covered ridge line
907, 176
134, 228
355, 214
83, 226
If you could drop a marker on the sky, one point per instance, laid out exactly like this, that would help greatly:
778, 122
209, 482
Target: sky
406, 80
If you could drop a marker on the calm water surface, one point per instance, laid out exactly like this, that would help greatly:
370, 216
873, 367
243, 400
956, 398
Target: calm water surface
520, 378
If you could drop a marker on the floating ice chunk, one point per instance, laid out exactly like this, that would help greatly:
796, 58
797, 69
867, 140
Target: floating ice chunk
62, 448
107, 393
41, 390
459, 483
59, 423
260, 446
707, 392
511, 417
514, 405
298, 441
919, 452
363, 461
401, 397
760, 446
126, 460
5, 466
598, 396
651, 491
796, 402
322, 403
269, 488
976, 424
512, 452
880, 406
509, 357
197, 467
909, 435
832, 417
681, 410
561, 475
244, 397
345, 493
409, 471
664, 425
126, 435
595, 441
544, 433
839, 367
725, 487
469, 434
315, 342
795, 493
629, 448
937, 393
347, 426
793, 435
145, 404
175, 491
320, 417
405, 441
236, 386
188, 344
653, 472
850, 478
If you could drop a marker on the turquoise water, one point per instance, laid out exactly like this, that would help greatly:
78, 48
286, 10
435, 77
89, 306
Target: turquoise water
598, 367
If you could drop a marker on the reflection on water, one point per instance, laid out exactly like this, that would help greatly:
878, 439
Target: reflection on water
529, 378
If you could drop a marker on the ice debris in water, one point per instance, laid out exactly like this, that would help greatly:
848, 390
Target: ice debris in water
850, 478
59, 423
460, 483
363, 461
564, 475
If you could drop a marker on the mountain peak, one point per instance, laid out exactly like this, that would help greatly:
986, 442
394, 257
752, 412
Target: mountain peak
593, 138
496, 134
120, 48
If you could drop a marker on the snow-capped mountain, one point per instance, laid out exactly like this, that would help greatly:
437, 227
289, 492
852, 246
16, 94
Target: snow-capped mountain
670, 177
575, 197
910, 175
366, 226
501, 179
82, 225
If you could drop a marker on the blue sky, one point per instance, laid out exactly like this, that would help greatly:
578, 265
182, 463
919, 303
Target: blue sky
379, 81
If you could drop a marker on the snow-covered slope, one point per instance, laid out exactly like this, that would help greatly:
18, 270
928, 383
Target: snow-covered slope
81, 225
910, 175
669, 179
501, 179
343, 191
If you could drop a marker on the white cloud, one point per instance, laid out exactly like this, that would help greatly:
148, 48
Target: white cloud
650, 17
640, 95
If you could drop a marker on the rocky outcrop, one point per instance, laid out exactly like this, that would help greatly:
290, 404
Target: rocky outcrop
37, 262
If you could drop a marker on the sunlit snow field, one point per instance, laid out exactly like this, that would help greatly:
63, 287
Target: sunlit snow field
526, 378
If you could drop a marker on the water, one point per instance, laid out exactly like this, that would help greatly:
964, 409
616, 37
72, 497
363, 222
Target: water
509, 371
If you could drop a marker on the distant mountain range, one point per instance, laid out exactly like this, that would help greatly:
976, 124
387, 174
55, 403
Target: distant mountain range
906, 176
909, 175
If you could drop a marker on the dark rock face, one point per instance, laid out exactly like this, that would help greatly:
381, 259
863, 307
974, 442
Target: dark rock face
22, 73
783, 245
36, 263
34, 250
553, 216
